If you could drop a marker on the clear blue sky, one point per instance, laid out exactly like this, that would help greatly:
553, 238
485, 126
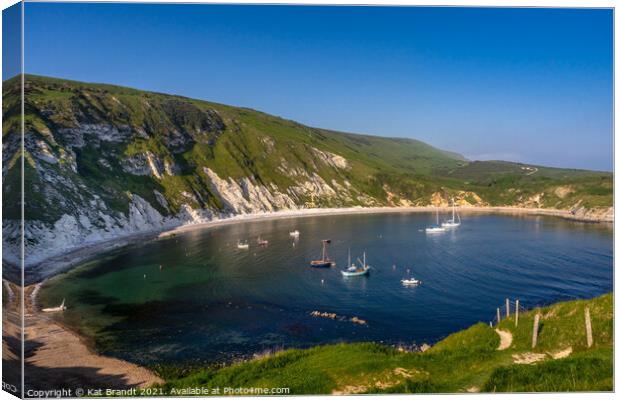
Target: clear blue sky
530, 85
11, 41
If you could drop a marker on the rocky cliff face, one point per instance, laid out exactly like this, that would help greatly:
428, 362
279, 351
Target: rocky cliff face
102, 162
82, 170
85, 215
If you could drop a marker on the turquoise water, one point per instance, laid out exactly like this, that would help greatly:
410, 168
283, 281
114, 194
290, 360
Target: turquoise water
210, 301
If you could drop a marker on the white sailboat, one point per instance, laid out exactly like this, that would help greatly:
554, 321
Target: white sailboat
436, 228
61, 307
456, 218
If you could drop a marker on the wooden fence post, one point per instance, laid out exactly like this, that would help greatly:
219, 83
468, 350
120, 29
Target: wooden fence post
499, 317
517, 313
588, 328
535, 331
507, 308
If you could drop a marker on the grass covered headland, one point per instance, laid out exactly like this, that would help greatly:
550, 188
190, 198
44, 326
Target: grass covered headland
467, 361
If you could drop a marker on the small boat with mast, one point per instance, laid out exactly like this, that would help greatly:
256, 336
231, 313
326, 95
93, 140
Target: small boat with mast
354, 270
60, 308
455, 221
324, 262
262, 242
436, 228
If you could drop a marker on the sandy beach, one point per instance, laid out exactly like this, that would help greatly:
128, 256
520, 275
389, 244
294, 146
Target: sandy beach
56, 357
380, 210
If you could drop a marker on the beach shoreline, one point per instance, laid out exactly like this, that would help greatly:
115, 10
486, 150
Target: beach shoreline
65, 261
318, 212
58, 357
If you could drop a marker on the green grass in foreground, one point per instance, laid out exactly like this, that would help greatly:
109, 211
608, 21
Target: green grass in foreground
590, 371
466, 360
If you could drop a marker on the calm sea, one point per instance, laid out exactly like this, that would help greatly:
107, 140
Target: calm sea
195, 297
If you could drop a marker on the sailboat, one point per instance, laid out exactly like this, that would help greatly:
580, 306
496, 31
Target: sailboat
243, 244
354, 270
294, 234
435, 228
61, 307
262, 242
324, 262
452, 223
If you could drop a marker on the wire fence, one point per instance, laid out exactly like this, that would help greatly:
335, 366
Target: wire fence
525, 306
505, 310
512, 308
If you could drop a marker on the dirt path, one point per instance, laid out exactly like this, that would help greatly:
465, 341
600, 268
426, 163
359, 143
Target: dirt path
505, 339
531, 358
56, 357
528, 358
562, 353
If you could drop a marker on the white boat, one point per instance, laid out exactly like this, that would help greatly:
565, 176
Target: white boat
435, 228
262, 242
294, 234
410, 282
354, 270
61, 307
241, 244
455, 221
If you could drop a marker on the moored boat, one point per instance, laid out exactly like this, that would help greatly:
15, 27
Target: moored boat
324, 262
61, 307
435, 228
455, 221
262, 242
354, 270
294, 233
410, 282
243, 244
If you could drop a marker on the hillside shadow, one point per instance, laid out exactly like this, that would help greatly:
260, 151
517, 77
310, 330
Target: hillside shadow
49, 378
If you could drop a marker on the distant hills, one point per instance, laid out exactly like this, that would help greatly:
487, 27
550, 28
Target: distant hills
104, 161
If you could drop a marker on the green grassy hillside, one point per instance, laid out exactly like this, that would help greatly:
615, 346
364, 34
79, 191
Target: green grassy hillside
191, 135
236, 142
110, 160
465, 361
